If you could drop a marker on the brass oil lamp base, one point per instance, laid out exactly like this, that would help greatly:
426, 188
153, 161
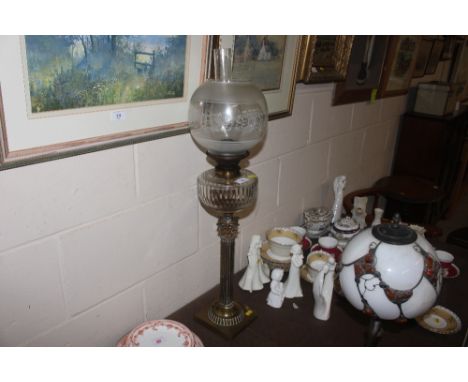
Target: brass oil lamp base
226, 321
224, 192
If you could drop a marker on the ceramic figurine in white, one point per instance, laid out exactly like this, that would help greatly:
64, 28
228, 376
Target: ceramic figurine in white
359, 210
323, 290
378, 213
338, 186
264, 272
419, 230
276, 296
252, 280
293, 283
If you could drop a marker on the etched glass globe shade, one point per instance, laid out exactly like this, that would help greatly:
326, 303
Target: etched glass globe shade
227, 117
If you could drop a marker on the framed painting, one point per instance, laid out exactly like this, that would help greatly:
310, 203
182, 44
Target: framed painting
270, 62
458, 77
422, 59
364, 70
399, 65
72, 94
324, 58
434, 57
449, 46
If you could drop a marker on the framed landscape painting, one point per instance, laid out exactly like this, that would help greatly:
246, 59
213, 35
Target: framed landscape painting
269, 62
259, 59
399, 65
63, 95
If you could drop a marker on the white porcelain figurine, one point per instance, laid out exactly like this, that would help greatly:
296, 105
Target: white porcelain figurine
378, 213
359, 211
338, 186
419, 229
252, 280
323, 291
276, 296
292, 286
264, 272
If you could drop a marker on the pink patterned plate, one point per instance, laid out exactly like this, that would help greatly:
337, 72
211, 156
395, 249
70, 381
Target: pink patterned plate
198, 342
161, 333
122, 341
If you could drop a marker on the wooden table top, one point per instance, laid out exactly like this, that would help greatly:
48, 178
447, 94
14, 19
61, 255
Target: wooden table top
409, 189
295, 325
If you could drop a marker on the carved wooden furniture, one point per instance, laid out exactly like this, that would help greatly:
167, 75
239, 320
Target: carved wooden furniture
415, 199
398, 195
430, 148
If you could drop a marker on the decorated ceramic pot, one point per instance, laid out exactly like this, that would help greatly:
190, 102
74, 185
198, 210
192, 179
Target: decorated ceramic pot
281, 240
344, 230
317, 221
315, 262
390, 272
329, 245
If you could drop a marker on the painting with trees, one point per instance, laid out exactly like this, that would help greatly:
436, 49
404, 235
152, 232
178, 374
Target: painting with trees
78, 71
259, 59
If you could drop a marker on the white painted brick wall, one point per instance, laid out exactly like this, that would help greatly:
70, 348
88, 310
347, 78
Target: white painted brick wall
99, 326
44, 199
165, 166
31, 297
104, 258
91, 246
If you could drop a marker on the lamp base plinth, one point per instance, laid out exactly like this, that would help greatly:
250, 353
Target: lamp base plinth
227, 321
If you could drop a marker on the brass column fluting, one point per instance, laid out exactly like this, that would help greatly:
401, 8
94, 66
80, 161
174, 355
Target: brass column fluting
225, 191
226, 312
227, 231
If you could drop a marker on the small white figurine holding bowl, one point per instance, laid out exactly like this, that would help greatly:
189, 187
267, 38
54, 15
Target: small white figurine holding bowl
276, 296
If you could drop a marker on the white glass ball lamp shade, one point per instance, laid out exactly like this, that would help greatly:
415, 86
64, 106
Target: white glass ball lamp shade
389, 281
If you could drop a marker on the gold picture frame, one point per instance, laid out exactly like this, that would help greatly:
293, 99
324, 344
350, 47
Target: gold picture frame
324, 58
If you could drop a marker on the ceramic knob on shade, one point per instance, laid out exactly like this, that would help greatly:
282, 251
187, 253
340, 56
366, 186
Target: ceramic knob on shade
225, 116
391, 273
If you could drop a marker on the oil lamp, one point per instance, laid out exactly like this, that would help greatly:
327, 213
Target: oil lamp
226, 119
